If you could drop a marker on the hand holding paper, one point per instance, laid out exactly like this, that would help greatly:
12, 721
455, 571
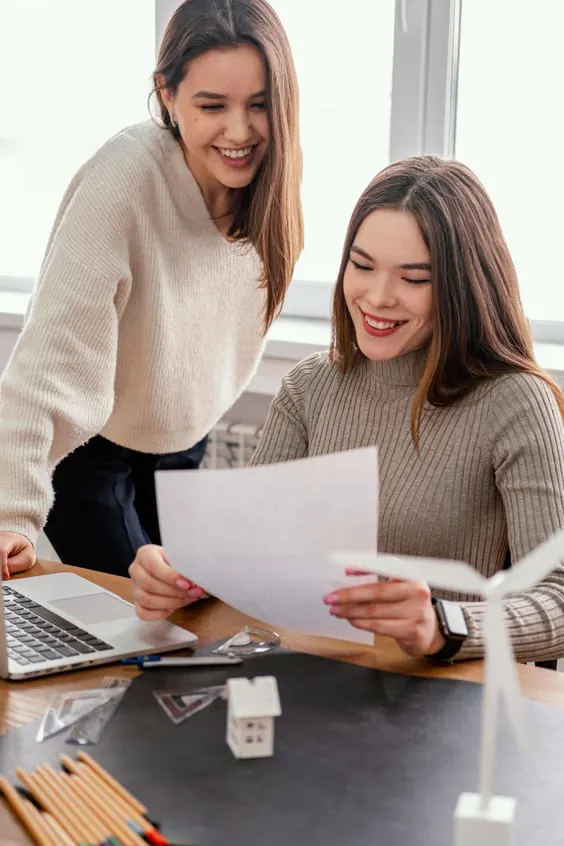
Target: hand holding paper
157, 589
260, 538
400, 609
501, 674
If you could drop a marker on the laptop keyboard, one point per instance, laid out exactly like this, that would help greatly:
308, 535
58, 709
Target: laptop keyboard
35, 634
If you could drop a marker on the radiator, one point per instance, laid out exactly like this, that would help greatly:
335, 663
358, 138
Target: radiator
231, 445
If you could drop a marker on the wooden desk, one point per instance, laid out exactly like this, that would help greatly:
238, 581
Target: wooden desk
24, 701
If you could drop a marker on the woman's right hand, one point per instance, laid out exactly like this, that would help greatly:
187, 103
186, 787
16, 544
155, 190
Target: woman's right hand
16, 553
157, 589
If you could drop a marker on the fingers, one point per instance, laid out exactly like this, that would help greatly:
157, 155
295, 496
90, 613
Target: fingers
16, 554
157, 589
151, 560
148, 583
404, 630
381, 592
4, 564
22, 561
149, 615
375, 610
155, 601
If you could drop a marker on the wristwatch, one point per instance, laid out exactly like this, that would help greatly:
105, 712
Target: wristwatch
452, 625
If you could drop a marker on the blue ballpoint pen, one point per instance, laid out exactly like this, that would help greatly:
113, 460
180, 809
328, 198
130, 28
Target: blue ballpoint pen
148, 661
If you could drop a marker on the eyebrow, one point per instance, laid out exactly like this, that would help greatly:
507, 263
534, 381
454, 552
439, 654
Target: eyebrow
212, 95
415, 265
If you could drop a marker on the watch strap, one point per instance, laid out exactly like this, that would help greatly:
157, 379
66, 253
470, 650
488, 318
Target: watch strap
453, 643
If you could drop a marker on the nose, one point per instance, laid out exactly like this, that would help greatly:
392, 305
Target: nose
382, 292
238, 127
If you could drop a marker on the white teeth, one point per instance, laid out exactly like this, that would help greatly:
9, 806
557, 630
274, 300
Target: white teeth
379, 324
236, 154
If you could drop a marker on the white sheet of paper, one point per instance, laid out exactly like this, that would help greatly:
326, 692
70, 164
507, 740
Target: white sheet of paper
260, 538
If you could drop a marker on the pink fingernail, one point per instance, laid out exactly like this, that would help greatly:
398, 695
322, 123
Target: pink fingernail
334, 611
184, 584
330, 598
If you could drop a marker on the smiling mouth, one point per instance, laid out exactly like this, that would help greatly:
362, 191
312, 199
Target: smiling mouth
235, 155
382, 324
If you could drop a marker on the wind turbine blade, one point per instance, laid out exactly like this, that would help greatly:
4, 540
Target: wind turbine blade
536, 565
438, 572
500, 653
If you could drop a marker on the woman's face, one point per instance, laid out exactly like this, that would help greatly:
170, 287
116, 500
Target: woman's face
220, 108
387, 285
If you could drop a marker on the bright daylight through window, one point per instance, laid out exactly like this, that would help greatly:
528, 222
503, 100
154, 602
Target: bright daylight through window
377, 80
75, 73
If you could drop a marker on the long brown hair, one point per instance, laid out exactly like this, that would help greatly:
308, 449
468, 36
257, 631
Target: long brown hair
267, 213
479, 328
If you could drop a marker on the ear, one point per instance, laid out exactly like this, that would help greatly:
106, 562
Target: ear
165, 92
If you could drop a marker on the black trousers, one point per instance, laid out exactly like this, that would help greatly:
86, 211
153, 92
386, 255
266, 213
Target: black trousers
105, 503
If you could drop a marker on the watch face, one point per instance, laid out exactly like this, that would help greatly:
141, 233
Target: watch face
455, 619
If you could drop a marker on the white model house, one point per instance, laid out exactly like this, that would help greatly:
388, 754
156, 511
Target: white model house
252, 705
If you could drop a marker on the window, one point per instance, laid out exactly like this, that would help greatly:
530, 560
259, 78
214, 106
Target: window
74, 74
360, 95
375, 85
509, 131
378, 81
344, 61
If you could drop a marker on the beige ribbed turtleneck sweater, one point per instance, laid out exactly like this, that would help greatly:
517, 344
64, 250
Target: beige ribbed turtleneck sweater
489, 474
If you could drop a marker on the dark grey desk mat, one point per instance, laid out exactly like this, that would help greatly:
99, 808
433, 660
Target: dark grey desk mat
362, 758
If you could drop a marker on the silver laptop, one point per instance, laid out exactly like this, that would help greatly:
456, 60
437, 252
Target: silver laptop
60, 622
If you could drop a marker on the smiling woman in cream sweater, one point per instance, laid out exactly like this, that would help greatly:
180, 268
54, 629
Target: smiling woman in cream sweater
169, 258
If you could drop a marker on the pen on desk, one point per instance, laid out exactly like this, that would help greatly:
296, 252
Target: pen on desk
148, 661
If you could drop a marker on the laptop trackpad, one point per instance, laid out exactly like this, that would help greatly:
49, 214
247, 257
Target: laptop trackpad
94, 608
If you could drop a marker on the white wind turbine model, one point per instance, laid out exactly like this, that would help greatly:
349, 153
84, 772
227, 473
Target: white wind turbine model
483, 817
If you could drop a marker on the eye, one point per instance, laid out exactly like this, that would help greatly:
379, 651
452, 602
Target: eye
259, 107
415, 281
212, 107
359, 266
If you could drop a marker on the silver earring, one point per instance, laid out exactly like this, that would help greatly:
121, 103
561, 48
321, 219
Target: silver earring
173, 122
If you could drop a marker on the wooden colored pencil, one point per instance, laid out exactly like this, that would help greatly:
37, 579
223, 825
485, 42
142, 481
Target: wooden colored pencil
101, 813
119, 788
44, 820
93, 829
61, 837
106, 811
104, 789
93, 778
127, 811
54, 805
21, 808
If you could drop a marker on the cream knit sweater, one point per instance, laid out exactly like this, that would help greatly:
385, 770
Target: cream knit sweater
489, 475
144, 327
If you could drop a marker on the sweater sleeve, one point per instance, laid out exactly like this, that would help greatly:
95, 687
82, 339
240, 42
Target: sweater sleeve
58, 387
527, 448
285, 434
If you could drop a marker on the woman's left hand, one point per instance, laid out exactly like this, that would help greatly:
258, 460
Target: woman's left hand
398, 609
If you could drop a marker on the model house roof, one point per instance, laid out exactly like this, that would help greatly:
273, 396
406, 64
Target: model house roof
256, 697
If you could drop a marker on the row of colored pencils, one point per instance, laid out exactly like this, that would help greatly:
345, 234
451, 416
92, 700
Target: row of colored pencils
82, 805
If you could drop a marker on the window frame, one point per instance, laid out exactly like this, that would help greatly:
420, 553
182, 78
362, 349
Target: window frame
423, 109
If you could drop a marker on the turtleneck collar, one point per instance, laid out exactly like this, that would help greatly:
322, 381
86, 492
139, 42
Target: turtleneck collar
403, 371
